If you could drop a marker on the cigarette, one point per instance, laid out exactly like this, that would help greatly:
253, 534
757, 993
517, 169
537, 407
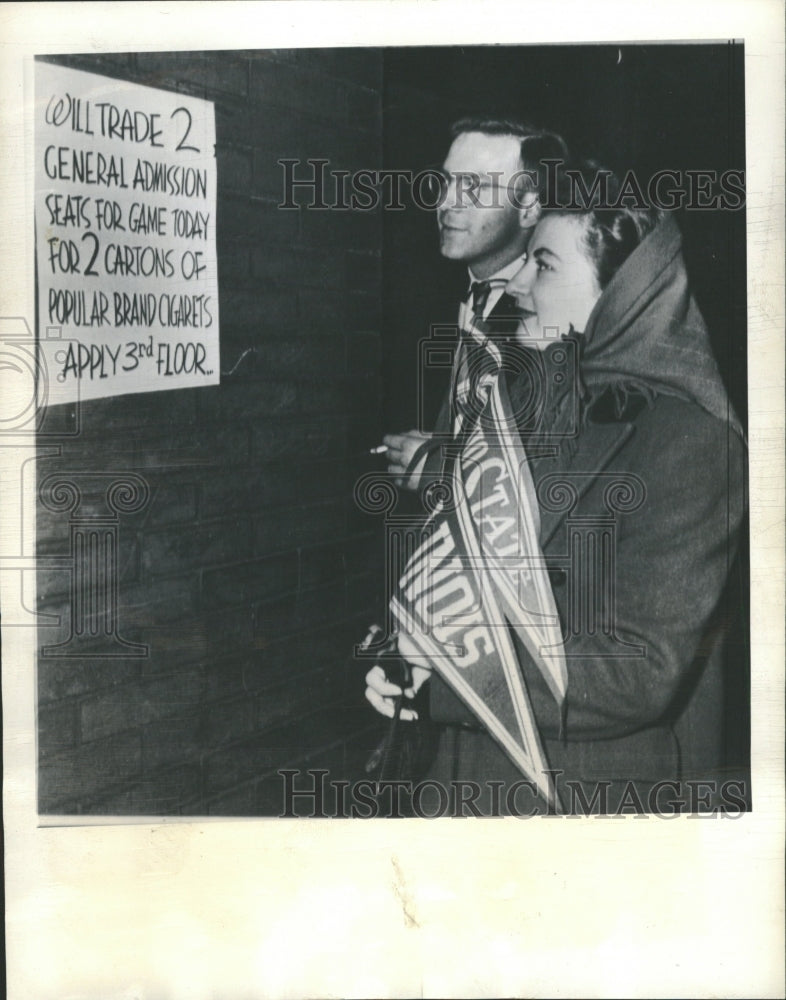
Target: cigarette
379, 450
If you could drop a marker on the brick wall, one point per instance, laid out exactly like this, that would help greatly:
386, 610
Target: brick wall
247, 571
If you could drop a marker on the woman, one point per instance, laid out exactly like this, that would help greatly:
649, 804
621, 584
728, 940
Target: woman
638, 466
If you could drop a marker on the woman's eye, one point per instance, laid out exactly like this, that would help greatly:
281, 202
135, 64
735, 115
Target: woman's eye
543, 266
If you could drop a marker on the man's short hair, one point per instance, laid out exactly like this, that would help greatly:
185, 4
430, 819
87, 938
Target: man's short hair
537, 145
492, 126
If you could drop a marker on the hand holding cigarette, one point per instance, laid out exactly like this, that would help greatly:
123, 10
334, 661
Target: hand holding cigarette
401, 450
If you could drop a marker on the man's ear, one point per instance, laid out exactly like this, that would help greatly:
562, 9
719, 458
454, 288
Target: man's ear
529, 210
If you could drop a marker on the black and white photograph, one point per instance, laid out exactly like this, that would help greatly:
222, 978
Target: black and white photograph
384, 448
480, 418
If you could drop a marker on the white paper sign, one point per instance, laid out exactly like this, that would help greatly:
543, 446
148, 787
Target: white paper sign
125, 214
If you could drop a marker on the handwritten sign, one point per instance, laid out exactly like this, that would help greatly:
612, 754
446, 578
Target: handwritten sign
125, 211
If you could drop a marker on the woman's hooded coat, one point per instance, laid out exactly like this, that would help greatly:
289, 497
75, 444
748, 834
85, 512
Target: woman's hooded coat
637, 455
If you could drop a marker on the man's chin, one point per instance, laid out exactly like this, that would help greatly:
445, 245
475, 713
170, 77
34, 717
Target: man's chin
451, 248
451, 252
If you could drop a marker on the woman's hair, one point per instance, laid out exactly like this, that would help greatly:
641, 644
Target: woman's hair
612, 230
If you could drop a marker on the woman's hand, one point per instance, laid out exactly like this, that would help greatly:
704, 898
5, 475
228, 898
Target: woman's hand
401, 451
382, 693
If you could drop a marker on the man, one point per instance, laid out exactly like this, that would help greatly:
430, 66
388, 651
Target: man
494, 179
490, 206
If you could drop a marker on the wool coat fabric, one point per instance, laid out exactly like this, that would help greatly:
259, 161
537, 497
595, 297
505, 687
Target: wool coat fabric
639, 466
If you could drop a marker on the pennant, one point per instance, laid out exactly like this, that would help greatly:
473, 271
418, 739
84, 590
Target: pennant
479, 573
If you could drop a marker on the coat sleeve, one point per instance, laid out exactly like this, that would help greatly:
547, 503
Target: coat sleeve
671, 563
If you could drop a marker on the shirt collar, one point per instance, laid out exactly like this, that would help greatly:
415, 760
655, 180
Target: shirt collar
504, 274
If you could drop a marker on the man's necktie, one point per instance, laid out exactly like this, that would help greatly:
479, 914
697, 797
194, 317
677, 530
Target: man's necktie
480, 291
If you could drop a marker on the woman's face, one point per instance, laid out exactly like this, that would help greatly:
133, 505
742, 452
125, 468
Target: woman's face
557, 287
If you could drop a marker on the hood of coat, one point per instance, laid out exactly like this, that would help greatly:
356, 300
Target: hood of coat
646, 333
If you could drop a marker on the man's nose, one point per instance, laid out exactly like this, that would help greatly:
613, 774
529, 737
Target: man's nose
450, 202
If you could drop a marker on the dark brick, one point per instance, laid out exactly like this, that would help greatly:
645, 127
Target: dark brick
88, 453
337, 560
116, 65
290, 56
229, 766
215, 72
89, 496
118, 804
157, 69
224, 676
57, 728
253, 218
270, 796
322, 564
364, 108
364, 312
136, 705
169, 551
300, 357
364, 354
276, 180
319, 436
139, 410
365, 591
234, 264
250, 582
154, 603
332, 802
88, 770
93, 643
361, 230
304, 610
284, 662
343, 395
291, 138
53, 584
172, 741
262, 309
164, 794
171, 505
64, 678
297, 267
315, 688
363, 272
60, 421
209, 447
226, 633
366, 552
234, 168
225, 494
283, 86
322, 312
364, 431
228, 721
246, 402
354, 151
299, 739
360, 65
176, 645
284, 529
323, 481
241, 801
